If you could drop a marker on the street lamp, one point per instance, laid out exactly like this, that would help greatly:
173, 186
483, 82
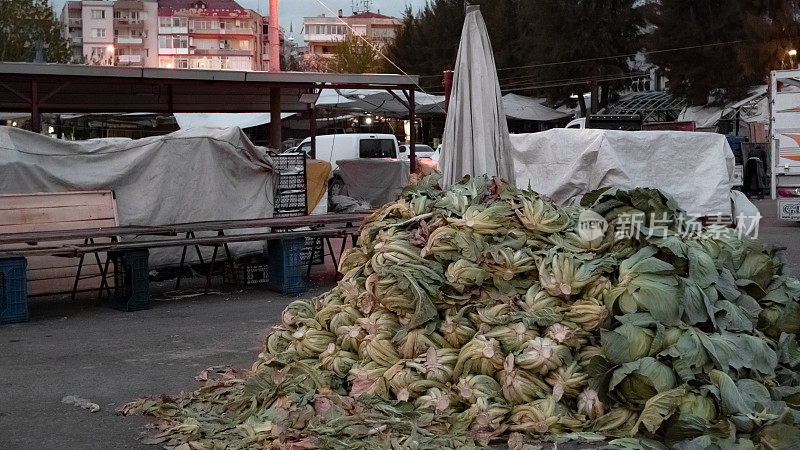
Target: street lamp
792, 52
110, 48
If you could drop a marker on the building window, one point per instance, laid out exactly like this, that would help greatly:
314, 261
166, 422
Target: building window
224, 44
244, 45
224, 63
98, 32
182, 63
165, 22
221, 24
173, 42
98, 52
98, 14
117, 14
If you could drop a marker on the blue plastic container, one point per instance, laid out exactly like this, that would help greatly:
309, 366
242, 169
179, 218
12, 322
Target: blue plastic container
286, 268
13, 289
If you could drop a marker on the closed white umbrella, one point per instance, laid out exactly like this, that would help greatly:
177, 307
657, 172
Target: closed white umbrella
475, 140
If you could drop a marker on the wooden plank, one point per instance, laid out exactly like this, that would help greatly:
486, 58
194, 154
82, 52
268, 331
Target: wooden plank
54, 226
49, 273
55, 199
51, 212
62, 285
37, 216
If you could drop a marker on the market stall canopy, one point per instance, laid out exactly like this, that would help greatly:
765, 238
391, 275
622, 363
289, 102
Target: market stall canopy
526, 108
224, 120
378, 101
476, 139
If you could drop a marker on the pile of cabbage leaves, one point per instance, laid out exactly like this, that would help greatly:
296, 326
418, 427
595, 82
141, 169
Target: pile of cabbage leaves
483, 315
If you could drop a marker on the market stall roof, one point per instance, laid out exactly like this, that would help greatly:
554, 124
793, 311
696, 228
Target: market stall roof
80, 88
224, 120
527, 108
378, 101
657, 106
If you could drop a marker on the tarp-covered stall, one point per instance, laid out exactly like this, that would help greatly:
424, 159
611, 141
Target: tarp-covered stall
564, 164
187, 176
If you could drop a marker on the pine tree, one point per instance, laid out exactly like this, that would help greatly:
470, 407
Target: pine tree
563, 41
714, 51
28, 27
355, 55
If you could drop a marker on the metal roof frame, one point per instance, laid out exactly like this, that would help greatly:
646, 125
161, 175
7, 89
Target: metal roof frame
38, 88
659, 106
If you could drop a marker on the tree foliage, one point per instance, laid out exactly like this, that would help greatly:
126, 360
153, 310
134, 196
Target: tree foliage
355, 55
28, 27
735, 43
524, 33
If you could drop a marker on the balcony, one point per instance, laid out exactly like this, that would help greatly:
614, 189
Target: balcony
75, 22
220, 52
129, 59
226, 31
128, 40
76, 40
323, 37
128, 22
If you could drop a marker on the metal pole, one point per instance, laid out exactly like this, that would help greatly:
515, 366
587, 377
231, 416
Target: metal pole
273, 35
448, 88
412, 152
36, 118
313, 130
275, 118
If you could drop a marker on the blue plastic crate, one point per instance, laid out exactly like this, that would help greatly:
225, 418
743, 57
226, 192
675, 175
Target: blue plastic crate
286, 268
131, 280
13, 289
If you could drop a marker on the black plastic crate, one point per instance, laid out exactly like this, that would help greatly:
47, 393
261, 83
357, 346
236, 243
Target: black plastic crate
289, 161
13, 289
131, 291
314, 250
286, 269
291, 200
291, 181
248, 273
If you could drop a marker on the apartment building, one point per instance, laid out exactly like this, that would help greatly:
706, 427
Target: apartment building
208, 34
323, 32
188, 34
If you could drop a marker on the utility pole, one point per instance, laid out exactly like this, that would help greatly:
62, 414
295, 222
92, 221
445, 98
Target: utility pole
273, 34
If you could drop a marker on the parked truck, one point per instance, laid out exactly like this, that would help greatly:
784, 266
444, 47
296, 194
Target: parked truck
784, 91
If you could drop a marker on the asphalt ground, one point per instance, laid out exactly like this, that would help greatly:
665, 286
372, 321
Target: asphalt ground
111, 357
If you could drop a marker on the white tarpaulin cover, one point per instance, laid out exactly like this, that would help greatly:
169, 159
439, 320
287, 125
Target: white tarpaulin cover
526, 108
224, 120
186, 176
475, 140
564, 164
377, 181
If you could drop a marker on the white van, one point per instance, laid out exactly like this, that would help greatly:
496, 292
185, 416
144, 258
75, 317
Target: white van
335, 147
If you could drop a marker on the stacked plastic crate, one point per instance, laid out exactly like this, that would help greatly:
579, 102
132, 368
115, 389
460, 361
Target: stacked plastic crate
290, 196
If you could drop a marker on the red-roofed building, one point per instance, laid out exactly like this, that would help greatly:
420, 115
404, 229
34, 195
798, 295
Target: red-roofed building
323, 32
208, 34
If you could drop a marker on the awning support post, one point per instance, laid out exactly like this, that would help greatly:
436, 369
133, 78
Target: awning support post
36, 118
412, 151
275, 118
313, 130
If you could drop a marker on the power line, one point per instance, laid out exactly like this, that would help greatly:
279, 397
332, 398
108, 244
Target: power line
601, 58
373, 46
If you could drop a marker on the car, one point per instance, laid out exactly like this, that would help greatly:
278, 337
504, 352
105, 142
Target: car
421, 150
